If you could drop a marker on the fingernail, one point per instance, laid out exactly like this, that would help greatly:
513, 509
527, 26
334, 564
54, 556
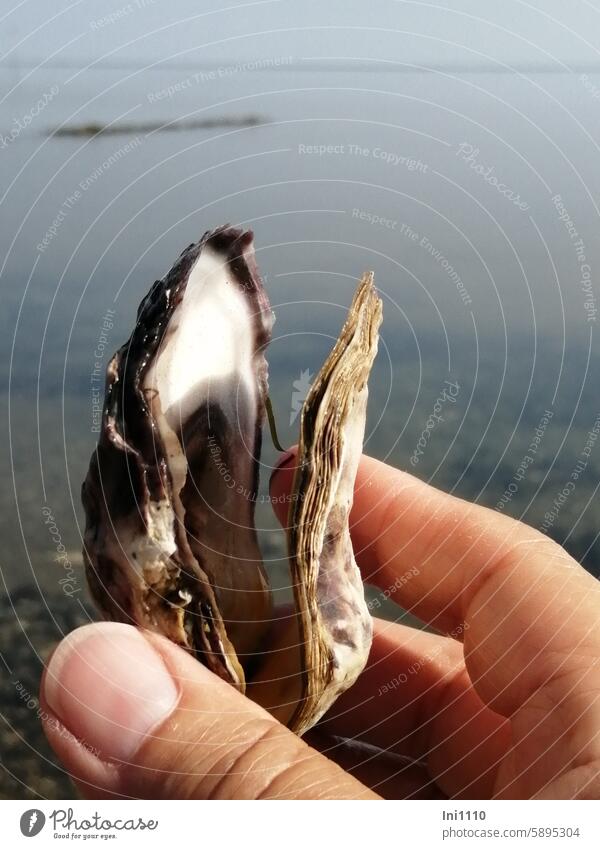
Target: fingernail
283, 460
109, 688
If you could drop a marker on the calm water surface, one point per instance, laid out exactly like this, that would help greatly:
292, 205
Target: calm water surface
445, 184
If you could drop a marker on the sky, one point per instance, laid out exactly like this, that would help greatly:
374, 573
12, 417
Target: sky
549, 34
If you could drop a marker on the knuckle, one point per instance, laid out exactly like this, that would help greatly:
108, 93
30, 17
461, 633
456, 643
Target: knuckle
242, 769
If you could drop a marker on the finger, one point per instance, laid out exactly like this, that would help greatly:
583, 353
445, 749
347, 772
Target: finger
132, 715
415, 700
389, 775
452, 562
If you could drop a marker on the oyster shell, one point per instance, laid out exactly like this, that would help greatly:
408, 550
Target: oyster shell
170, 542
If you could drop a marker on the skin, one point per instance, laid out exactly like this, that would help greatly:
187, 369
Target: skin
503, 701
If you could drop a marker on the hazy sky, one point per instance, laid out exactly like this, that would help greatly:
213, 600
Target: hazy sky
550, 33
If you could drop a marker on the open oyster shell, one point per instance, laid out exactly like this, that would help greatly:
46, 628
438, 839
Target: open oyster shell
170, 542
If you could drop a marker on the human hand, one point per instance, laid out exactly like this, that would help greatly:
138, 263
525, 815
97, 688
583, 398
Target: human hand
512, 713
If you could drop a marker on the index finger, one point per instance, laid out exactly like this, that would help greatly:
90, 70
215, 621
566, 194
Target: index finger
465, 568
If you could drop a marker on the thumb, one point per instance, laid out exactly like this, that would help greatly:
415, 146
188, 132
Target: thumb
130, 714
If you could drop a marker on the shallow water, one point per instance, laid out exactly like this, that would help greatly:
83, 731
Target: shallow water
352, 170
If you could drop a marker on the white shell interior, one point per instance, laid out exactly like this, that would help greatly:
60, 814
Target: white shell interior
209, 338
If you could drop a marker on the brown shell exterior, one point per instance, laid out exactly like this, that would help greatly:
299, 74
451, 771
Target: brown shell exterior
129, 473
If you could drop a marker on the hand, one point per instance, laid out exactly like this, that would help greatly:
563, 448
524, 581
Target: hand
512, 713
